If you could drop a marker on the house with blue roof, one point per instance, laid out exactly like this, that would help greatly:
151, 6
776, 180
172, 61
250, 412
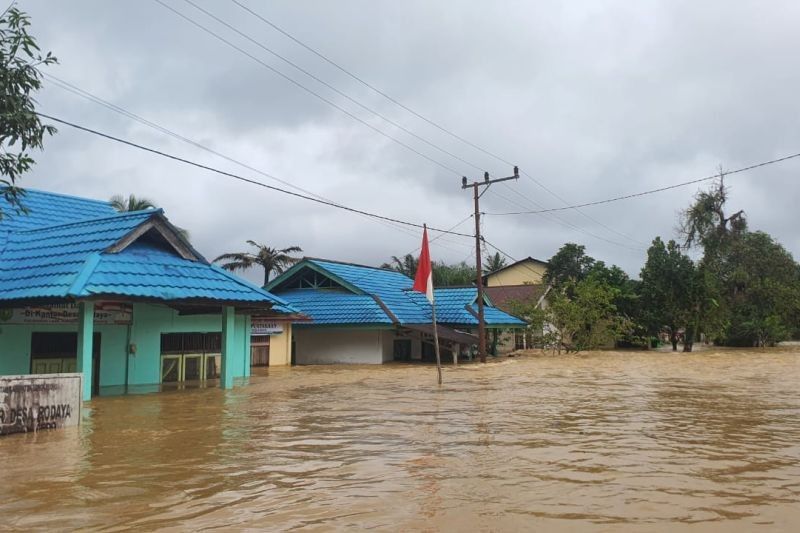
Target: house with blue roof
122, 298
363, 314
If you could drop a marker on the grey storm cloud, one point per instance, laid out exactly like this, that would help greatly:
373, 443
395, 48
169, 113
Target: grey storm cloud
592, 99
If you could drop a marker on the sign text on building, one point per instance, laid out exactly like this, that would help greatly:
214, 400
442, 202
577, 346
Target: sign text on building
36, 402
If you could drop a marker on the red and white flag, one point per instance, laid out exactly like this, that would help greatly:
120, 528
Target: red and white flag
423, 282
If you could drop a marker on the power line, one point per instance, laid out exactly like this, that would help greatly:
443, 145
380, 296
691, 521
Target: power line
652, 191
331, 87
309, 91
418, 115
369, 85
244, 179
74, 89
568, 224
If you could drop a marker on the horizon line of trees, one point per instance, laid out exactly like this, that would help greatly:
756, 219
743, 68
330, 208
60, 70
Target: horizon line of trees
744, 290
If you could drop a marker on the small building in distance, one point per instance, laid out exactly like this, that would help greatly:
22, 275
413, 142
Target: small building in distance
122, 298
522, 281
368, 315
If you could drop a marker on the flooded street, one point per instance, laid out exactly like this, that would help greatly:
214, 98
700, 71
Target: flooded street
599, 442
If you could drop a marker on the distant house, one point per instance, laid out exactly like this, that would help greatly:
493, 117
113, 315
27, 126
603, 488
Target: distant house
362, 314
519, 282
121, 297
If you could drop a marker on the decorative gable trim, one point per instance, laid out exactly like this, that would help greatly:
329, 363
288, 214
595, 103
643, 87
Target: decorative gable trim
162, 226
305, 263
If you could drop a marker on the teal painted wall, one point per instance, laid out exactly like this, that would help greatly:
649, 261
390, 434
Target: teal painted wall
143, 367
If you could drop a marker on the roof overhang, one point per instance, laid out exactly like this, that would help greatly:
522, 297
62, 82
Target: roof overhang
444, 332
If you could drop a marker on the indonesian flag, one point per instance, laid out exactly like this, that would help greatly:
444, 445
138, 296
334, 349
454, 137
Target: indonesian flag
424, 280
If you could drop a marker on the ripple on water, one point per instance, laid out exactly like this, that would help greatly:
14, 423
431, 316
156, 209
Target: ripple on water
603, 441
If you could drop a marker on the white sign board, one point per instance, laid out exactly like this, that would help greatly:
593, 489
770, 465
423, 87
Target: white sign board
41, 401
263, 327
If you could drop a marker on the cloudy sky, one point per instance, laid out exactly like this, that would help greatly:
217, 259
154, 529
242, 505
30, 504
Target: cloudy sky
591, 99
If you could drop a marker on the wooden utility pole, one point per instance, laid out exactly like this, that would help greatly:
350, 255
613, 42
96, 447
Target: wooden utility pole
478, 260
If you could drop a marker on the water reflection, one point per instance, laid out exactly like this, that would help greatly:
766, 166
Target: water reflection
602, 441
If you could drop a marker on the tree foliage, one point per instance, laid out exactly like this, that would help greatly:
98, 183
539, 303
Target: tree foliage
493, 262
270, 259
131, 203
444, 275
20, 128
569, 265
667, 290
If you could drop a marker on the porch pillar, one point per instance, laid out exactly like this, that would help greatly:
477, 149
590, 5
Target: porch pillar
248, 330
228, 347
85, 346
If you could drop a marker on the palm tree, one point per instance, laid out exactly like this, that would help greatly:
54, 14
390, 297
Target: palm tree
131, 203
138, 203
494, 262
270, 259
406, 265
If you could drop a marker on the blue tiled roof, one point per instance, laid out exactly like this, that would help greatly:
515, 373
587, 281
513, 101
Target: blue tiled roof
47, 209
392, 288
326, 306
451, 308
144, 270
72, 260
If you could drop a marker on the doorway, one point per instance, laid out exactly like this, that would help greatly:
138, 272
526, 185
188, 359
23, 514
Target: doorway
56, 352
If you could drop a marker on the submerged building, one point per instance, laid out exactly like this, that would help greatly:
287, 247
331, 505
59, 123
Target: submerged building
362, 314
122, 298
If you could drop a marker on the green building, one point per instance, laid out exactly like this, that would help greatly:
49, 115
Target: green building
121, 297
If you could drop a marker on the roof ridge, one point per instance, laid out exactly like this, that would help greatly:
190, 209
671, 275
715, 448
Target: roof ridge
93, 219
350, 263
63, 195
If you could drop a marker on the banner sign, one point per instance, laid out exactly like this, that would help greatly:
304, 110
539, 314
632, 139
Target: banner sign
262, 327
43, 401
104, 313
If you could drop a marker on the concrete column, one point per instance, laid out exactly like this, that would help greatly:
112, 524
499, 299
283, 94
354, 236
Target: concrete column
248, 323
85, 346
228, 347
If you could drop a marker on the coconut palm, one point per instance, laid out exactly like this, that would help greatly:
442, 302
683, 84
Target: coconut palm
492, 263
405, 265
131, 203
270, 259
139, 203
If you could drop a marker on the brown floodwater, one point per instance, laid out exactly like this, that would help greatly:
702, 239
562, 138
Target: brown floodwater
604, 441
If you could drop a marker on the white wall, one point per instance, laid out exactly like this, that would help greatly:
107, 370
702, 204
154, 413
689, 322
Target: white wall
325, 346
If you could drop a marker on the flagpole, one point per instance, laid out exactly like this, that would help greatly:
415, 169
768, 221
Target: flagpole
423, 282
436, 341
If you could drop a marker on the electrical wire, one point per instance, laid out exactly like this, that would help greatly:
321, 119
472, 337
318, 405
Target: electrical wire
309, 91
331, 87
652, 191
418, 115
244, 179
74, 89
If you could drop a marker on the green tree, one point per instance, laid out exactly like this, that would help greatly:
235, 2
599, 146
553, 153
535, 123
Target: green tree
20, 127
406, 265
570, 264
584, 316
444, 275
131, 203
139, 203
763, 291
667, 295
492, 263
270, 259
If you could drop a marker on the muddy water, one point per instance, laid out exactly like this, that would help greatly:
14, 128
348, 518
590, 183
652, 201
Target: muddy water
600, 442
